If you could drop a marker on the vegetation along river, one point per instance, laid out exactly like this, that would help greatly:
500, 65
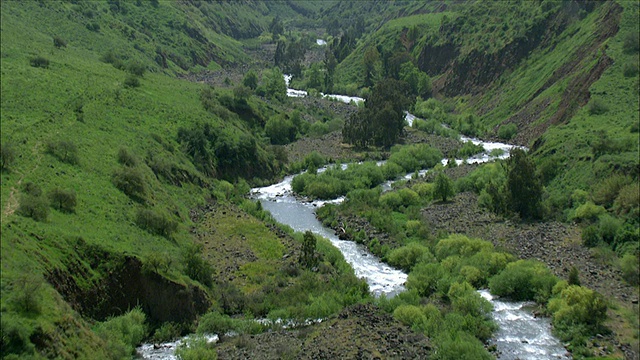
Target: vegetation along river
521, 335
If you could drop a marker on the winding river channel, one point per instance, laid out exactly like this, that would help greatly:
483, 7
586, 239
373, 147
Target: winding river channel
521, 335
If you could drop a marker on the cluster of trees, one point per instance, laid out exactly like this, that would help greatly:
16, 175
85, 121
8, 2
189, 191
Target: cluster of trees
381, 121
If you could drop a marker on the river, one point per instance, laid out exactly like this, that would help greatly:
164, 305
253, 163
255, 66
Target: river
521, 335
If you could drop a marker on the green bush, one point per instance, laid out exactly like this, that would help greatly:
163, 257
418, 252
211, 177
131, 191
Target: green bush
469, 149
524, 280
630, 68
63, 200
27, 295
195, 266
461, 346
59, 42
131, 81
444, 187
196, 348
507, 132
65, 151
136, 68
457, 244
126, 157
409, 197
155, 222
40, 62
391, 200
588, 212
409, 315
630, 42
590, 236
607, 190
577, 311
417, 156
15, 332
131, 182
123, 333
280, 131
629, 266
35, 207
597, 107
428, 279
167, 332
407, 256
7, 155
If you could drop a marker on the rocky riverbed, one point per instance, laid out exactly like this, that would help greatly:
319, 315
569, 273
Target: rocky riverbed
358, 332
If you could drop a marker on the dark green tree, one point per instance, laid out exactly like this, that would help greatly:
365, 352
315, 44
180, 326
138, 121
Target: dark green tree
7, 155
524, 187
381, 121
308, 258
275, 87
63, 200
444, 188
371, 65
250, 80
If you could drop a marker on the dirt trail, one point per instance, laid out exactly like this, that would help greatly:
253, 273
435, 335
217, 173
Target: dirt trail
12, 201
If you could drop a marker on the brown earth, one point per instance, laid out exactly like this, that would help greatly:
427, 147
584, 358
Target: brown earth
358, 332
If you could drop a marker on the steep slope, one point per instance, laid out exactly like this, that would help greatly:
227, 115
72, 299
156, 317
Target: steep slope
101, 177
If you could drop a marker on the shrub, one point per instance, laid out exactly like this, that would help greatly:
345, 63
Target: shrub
65, 151
136, 68
280, 131
607, 190
608, 227
578, 307
460, 245
131, 81
630, 68
167, 332
630, 42
507, 132
123, 333
524, 280
157, 262
26, 297
59, 42
628, 199
93, 26
63, 200
35, 207
308, 258
196, 348
588, 212
444, 187
460, 346
428, 278
407, 256
32, 189
250, 80
40, 62
7, 155
465, 300
629, 267
391, 200
590, 236
408, 315
126, 157
131, 182
195, 266
155, 223
597, 107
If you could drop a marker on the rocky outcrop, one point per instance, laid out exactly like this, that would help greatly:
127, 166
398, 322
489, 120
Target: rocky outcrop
359, 332
124, 286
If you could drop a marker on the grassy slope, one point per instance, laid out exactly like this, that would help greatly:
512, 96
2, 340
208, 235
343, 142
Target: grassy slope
39, 106
350, 70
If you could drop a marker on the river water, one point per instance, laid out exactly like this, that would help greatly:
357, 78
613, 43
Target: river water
521, 335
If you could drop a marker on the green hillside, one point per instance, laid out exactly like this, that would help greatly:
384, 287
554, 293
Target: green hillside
125, 175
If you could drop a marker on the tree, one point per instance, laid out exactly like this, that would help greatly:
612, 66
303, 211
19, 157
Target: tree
281, 131
444, 187
371, 65
381, 121
250, 80
58, 42
524, 187
308, 258
7, 155
63, 200
275, 86
35, 207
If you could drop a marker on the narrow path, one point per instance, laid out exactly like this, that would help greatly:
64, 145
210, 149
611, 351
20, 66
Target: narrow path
12, 201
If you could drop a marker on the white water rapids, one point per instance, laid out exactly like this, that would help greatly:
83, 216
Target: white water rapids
520, 336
